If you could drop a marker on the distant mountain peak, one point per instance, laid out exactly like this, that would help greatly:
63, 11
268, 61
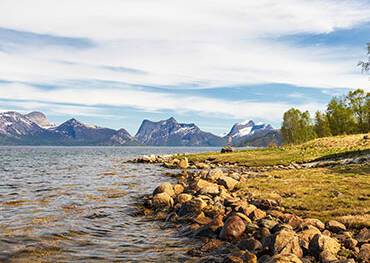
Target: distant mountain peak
247, 128
40, 119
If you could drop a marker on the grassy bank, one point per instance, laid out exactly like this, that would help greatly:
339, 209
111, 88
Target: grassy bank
316, 149
341, 192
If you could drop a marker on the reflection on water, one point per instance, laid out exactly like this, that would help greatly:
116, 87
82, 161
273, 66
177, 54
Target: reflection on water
60, 204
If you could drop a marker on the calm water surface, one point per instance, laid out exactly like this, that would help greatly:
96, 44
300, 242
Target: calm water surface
74, 204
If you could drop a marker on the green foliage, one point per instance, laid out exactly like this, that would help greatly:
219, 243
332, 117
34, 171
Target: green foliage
322, 127
358, 103
340, 116
297, 127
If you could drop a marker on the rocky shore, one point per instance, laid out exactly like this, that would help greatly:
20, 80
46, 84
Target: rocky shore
234, 226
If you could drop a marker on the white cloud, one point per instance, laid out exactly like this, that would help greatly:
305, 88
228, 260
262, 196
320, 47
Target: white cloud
150, 101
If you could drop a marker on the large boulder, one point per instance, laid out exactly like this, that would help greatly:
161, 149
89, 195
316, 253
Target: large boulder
164, 188
184, 163
286, 242
206, 187
228, 182
307, 235
233, 229
335, 226
323, 245
162, 200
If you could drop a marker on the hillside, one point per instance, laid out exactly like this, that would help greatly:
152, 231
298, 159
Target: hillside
309, 151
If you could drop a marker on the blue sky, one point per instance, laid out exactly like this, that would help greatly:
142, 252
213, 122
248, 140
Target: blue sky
114, 63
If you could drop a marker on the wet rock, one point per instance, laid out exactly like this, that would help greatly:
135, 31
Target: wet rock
228, 182
184, 163
233, 229
335, 226
257, 214
192, 207
162, 200
321, 243
206, 187
364, 255
178, 188
164, 188
286, 242
283, 258
250, 244
183, 198
315, 222
307, 235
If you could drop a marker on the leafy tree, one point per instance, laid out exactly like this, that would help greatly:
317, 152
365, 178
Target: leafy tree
297, 127
357, 103
340, 117
322, 127
366, 64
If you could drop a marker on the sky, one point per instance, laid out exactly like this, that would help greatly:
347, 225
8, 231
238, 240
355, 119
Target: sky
114, 63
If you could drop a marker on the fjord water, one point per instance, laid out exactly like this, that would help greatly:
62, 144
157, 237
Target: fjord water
75, 204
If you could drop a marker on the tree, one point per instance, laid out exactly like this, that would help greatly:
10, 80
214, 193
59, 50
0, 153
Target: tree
322, 127
297, 127
366, 64
340, 117
356, 101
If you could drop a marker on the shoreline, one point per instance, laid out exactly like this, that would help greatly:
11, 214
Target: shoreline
208, 204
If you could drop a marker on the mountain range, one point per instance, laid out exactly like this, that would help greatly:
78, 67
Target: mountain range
35, 129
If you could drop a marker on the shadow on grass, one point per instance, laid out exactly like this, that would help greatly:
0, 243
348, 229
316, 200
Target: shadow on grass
343, 155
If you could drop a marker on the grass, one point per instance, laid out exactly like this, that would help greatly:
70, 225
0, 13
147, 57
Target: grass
342, 193
312, 150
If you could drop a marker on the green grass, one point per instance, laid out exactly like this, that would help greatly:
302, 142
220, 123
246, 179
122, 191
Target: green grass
309, 151
342, 193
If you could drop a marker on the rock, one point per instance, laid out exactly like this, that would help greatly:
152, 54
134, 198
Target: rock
350, 243
364, 255
267, 223
249, 257
322, 243
201, 219
227, 149
206, 187
164, 188
184, 164
293, 220
178, 188
202, 166
315, 222
233, 229
335, 226
228, 182
250, 244
162, 200
286, 242
183, 198
244, 217
283, 258
327, 257
233, 259
363, 236
214, 175
257, 214
192, 207
307, 235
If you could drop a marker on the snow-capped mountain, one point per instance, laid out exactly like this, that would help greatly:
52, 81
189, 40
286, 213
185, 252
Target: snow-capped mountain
171, 133
40, 119
249, 133
35, 129
16, 125
248, 128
